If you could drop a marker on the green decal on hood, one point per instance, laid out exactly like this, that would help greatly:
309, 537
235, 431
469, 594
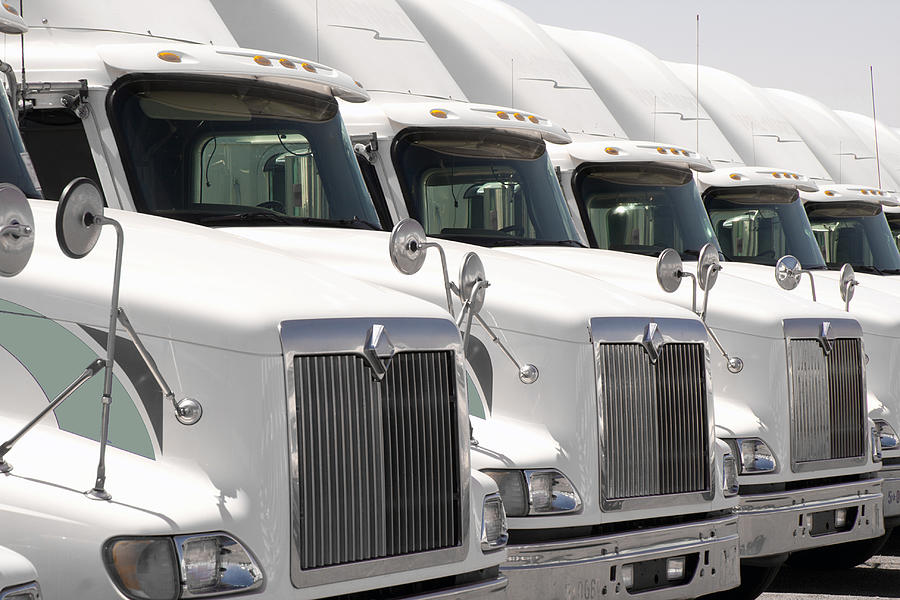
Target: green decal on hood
55, 356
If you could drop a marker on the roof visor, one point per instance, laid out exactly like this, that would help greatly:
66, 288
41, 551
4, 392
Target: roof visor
10, 20
618, 150
461, 114
757, 176
122, 59
852, 193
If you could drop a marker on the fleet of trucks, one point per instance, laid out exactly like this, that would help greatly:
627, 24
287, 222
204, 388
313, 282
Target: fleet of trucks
406, 318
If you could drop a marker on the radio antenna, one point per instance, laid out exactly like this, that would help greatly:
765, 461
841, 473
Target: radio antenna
875, 126
697, 91
22, 46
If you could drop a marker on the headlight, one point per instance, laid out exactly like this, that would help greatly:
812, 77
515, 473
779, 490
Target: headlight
876, 445
163, 568
755, 456
729, 475
30, 591
889, 439
536, 492
494, 533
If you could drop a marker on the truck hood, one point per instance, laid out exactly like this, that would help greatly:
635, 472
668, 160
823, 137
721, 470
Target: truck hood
191, 283
735, 304
525, 296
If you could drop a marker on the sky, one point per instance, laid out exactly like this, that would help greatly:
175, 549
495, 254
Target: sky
821, 48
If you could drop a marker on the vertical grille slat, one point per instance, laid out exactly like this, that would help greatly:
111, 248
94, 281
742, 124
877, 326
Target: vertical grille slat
655, 420
378, 461
827, 400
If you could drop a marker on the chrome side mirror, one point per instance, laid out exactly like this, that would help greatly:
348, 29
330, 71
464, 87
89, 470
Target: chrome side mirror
79, 220
788, 274
669, 273
847, 282
407, 247
16, 230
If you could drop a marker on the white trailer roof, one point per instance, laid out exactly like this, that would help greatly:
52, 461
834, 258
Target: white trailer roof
372, 40
499, 56
888, 140
750, 122
645, 97
835, 144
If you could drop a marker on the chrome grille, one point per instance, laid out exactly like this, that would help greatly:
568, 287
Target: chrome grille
378, 461
827, 400
654, 419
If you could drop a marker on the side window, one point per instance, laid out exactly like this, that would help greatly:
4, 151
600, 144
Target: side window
370, 177
59, 149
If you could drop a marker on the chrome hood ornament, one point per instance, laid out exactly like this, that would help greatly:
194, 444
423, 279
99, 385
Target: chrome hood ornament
378, 351
652, 341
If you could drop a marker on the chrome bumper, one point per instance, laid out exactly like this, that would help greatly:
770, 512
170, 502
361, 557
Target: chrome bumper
491, 589
592, 567
776, 523
891, 490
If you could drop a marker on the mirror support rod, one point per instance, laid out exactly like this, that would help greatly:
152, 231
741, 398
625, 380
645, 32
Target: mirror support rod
446, 274
89, 371
188, 411
467, 309
710, 270
812, 285
528, 373
98, 492
693, 288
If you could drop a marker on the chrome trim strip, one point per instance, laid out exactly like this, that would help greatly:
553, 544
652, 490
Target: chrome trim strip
631, 330
342, 336
32, 587
471, 591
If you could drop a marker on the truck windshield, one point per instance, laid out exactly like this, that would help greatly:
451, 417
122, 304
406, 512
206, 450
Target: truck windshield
482, 187
893, 220
642, 209
855, 233
222, 152
761, 224
15, 164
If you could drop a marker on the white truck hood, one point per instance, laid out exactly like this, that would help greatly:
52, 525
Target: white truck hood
525, 296
191, 283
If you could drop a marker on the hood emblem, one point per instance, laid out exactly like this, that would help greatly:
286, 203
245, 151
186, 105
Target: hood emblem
826, 337
378, 351
652, 341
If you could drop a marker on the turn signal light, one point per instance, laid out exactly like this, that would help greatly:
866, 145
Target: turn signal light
262, 60
169, 57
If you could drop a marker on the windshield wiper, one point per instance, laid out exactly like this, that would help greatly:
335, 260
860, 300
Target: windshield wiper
868, 269
269, 217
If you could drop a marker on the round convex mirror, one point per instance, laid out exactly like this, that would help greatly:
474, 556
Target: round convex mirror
77, 230
669, 269
17, 224
470, 273
708, 267
788, 272
847, 281
407, 246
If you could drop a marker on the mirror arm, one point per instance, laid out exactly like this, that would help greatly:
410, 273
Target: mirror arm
89, 371
16, 230
98, 492
706, 291
528, 373
187, 410
734, 363
850, 285
443, 256
467, 307
693, 289
812, 284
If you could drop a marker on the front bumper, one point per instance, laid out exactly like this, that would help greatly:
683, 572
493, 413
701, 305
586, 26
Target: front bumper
487, 590
592, 567
891, 490
776, 523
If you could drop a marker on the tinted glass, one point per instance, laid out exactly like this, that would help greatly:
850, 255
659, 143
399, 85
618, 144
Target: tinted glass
219, 152
482, 187
15, 164
855, 233
760, 225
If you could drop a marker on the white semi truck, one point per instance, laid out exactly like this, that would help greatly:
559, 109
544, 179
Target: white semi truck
256, 423
755, 212
581, 549
209, 134
745, 411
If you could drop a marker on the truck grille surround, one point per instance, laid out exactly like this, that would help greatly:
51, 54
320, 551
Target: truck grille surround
655, 420
827, 400
378, 460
